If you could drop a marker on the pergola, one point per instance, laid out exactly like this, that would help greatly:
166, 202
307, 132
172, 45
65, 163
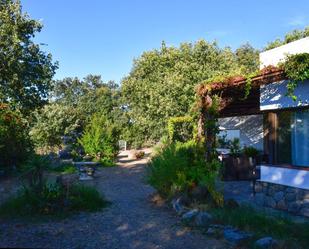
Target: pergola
230, 101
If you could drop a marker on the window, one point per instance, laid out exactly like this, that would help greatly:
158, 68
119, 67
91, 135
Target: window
292, 138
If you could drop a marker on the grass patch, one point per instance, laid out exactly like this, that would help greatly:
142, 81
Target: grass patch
64, 169
263, 224
53, 200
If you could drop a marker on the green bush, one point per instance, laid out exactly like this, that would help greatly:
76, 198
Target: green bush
15, 145
53, 199
38, 197
180, 128
51, 123
100, 140
64, 169
250, 151
179, 167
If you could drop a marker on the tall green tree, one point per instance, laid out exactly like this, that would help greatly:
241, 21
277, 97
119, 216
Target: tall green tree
247, 58
25, 70
73, 102
289, 37
162, 82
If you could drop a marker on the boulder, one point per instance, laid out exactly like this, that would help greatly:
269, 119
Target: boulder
189, 217
293, 207
177, 206
203, 219
282, 205
278, 196
235, 236
266, 243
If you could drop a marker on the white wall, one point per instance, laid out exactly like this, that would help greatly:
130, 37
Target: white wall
273, 96
276, 55
288, 177
250, 129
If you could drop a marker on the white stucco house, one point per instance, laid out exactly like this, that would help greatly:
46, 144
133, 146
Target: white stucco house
278, 127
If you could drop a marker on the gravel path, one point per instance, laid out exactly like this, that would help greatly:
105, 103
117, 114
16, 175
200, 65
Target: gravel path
132, 221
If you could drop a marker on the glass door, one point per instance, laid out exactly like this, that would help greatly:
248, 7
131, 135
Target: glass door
283, 144
300, 138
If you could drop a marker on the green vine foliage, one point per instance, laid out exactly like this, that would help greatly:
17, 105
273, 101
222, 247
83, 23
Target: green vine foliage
248, 85
296, 68
180, 128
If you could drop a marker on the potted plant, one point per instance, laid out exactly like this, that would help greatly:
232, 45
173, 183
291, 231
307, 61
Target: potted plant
251, 153
231, 162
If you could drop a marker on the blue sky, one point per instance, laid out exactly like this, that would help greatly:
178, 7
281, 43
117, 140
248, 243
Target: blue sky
103, 37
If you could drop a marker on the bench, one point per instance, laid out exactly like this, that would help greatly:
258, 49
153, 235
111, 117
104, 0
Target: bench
86, 169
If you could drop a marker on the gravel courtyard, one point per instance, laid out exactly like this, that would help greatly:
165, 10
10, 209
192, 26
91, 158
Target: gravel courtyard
131, 221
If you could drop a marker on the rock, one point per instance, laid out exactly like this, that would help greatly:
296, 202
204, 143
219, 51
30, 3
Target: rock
281, 205
290, 197
178, 207
216, 232
259, 199
231, 203
290, 190
235, 236
269, 202
203, 219
266, 243
189, 217
293, 207
304, 211
278, 196
258, 188
271, 190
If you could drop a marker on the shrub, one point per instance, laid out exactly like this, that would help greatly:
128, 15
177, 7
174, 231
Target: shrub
100, 140
180, 128
250, 151
33, 173
179, 167
15, 144
235, 147
296, 68
53, 199
53, 122
38, 197
64, 169
139, 154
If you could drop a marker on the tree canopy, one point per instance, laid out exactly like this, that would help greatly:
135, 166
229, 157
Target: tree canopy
162, 81
26, 71
289, 37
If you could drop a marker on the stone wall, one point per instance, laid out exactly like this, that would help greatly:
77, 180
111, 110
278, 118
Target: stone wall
293, 200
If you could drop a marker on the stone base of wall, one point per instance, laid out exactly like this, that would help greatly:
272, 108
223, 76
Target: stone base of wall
290, 199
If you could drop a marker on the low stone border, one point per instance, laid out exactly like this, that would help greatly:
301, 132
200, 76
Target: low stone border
290, 199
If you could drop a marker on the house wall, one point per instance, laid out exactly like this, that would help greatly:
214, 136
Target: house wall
273, 96
276, 55
282, 197
249, 128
